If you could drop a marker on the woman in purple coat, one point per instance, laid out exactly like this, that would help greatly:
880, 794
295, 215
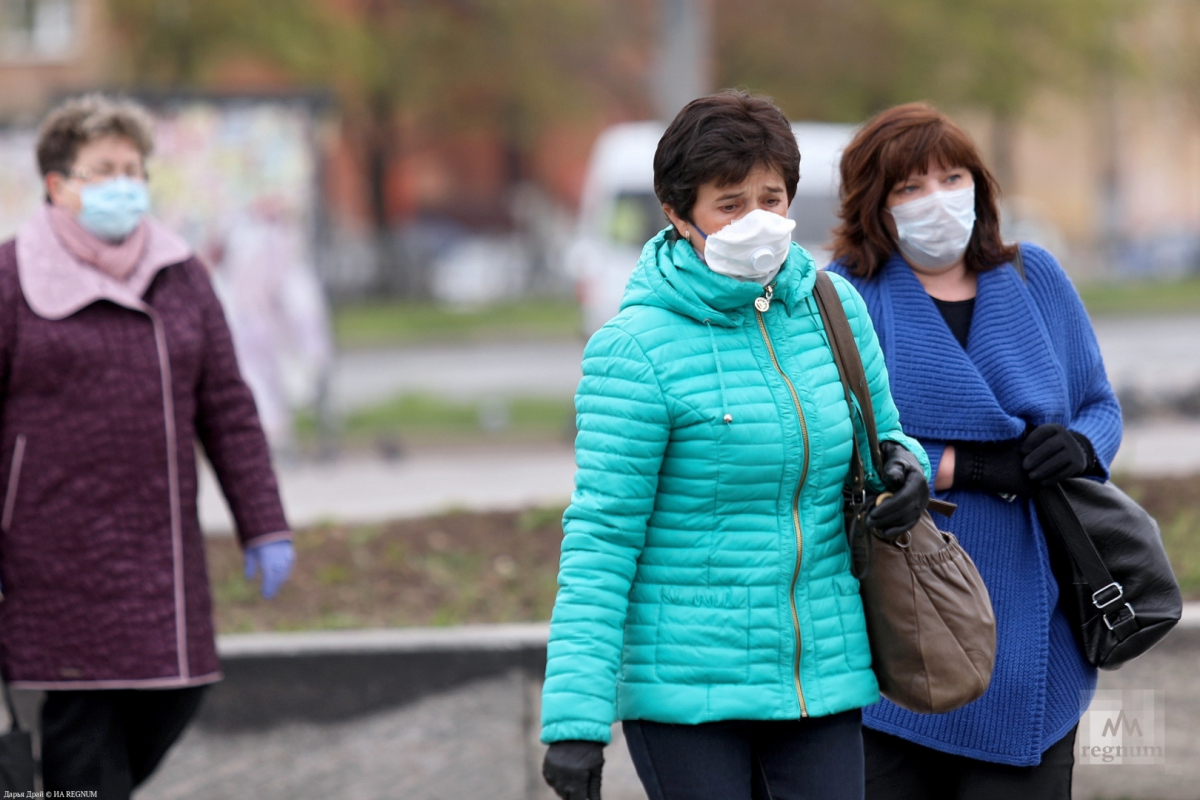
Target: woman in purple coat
114, 359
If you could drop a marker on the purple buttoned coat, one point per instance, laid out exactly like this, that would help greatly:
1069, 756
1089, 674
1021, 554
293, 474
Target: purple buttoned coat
105, 387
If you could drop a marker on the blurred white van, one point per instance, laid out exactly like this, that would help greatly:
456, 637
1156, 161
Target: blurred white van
619, 213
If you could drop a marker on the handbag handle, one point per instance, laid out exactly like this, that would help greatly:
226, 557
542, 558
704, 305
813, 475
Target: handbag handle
854, 381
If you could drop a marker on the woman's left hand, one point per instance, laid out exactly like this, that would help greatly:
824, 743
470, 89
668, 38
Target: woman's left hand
1054, 453
910, 492
275, 560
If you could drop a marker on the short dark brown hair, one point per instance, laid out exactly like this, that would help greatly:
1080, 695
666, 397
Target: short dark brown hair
721, 138
889, 148
80, 120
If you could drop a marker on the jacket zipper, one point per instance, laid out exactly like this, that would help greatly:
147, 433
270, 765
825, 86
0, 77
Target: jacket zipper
14, 480
762, 326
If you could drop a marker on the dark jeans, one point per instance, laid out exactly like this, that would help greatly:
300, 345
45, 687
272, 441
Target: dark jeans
898, 769
816, 758
110, 740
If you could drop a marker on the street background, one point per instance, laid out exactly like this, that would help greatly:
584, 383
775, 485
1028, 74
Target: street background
411, 213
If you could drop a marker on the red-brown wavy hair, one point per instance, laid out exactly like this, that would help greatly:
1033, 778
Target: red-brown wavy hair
885, 151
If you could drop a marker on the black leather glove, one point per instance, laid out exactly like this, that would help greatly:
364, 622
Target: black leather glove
991, 467
1053, 453
572, 769
910, 492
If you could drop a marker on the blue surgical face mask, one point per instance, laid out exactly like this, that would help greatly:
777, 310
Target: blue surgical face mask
113, 208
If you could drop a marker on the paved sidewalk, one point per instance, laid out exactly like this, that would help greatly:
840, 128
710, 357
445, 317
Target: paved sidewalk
1160, 448
364, 489
473, 742
1151, 354
479, 740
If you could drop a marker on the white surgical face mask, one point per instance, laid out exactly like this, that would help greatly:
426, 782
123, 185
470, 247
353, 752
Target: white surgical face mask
752, 248
933, 231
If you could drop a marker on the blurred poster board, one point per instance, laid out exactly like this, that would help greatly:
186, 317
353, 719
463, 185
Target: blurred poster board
238, 179
20, 186
214, 160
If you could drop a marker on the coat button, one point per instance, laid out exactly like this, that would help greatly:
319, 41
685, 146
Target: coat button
729, 417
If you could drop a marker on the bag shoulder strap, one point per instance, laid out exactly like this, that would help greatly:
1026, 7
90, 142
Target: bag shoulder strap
854, 380
1057, 514
848, 359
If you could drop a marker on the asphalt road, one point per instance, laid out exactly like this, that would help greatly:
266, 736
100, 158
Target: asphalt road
1151, 354
541, 369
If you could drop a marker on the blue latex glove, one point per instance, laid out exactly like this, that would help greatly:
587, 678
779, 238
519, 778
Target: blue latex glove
275, 560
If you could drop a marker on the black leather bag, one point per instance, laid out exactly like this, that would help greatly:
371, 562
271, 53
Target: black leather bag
17, 766
1114, 579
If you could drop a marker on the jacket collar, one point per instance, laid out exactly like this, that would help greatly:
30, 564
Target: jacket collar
671, 275
56, 284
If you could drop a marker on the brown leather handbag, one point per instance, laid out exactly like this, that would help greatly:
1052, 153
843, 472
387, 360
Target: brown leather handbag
929, 616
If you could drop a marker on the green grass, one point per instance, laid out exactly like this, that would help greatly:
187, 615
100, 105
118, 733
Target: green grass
431, 419
392, 323
398, 323
1142, 297
423, 414
1181, 537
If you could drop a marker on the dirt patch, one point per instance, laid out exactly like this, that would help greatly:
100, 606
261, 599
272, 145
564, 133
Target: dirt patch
444, 570
502, 567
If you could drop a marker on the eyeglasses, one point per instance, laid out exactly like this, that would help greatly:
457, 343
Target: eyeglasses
106, 171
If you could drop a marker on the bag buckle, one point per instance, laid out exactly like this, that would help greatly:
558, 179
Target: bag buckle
1116, 592
1132, 615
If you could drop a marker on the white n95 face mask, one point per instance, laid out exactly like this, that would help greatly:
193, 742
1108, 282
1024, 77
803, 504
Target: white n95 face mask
752, 248
933, 231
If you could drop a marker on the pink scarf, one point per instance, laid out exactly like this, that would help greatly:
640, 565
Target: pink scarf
117, 260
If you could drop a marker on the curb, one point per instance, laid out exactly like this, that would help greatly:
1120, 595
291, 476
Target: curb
325, 676
388, 640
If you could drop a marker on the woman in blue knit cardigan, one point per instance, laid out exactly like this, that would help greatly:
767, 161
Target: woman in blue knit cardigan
999, 376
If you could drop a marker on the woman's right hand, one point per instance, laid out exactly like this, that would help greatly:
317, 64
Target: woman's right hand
572, 769
992, 467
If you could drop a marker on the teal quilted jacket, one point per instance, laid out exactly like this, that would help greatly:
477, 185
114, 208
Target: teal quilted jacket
705, 573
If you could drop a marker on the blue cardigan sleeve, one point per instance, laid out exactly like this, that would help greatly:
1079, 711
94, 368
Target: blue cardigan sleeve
624, 427
1095, 411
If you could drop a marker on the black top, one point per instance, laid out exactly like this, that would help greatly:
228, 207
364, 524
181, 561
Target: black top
958, 314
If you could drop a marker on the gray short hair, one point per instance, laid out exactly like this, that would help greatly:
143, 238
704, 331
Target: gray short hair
80, 120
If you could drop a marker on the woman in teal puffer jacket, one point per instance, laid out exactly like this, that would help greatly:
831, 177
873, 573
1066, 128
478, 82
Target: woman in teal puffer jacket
705, 590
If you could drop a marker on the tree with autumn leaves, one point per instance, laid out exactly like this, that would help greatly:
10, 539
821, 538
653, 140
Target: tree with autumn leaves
515, 66
507, 66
